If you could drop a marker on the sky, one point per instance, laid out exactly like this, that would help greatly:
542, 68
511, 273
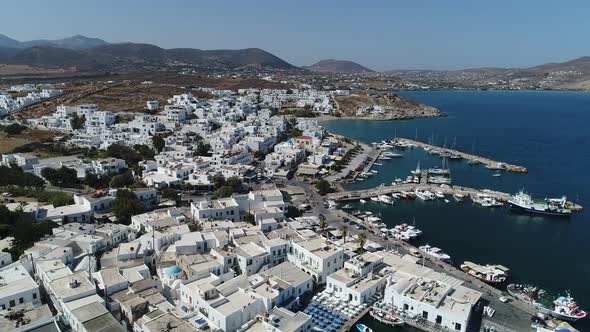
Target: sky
381, 35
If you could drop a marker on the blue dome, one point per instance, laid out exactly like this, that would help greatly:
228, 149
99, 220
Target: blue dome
173, 270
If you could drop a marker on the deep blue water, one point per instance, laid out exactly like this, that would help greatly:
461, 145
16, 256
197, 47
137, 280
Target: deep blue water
547, 132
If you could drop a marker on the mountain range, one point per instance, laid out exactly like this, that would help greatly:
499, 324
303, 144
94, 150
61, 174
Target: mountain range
95, 54
339, 66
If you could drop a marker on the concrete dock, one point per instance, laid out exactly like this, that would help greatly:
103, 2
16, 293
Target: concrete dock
488, 163
410, 187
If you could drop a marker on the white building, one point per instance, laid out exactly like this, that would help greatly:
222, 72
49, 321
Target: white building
17, 288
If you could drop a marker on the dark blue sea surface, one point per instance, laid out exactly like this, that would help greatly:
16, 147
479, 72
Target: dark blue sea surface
547, 132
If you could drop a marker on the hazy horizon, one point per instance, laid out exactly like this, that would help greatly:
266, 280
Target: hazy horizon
380, 35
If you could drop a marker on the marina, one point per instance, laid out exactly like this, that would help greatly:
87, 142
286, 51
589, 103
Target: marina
455, 154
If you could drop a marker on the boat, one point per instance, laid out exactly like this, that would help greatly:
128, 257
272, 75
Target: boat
458, 197
525, 293
491, 274
375, 199
497, 175
425, 195
472, 162
439, 180
522, 202
377, 164
385, 199
384, 158
363, 201
386, 318
435, 252
392, 154
564, 307
439, 194
347, 207
374, 171
446, 200
363, 328
438, 171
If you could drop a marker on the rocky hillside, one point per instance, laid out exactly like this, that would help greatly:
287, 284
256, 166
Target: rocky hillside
383, 107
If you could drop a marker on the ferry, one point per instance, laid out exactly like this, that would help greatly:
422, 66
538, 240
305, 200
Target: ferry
435, 252
564, 307
491, 274
386, 318
523, 202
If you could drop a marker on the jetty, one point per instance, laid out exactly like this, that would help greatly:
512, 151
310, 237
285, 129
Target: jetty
488, 163
411, 187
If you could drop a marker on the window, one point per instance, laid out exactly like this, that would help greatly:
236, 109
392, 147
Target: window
438, 319
34, 296
425, 314
12, 304
21, 300
457, 326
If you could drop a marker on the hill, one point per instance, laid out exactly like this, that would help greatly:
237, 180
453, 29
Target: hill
569, 75
102, 56
76, 42
339, 66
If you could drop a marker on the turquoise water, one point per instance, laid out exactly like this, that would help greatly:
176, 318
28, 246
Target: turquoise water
547, 132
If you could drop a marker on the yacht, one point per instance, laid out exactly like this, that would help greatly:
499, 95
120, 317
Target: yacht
392, 154
425, 195
375, 199
435, 252
385, 199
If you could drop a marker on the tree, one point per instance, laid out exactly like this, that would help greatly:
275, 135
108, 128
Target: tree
126, 205
14, 176
144, 151
295, 133
218, 181
323, 186
158, 143
122, 180
344, 232
203, 149
97, 182
77, 122
14, 129
235, 183
61, 177
362, 239
293, 212
259, 155
225, 191
323, 225
124, 152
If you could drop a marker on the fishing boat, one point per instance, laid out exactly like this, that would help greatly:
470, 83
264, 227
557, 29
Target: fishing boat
525, 293
363, 328
564, 307
386, 318
490, 274
523, 202
435, 252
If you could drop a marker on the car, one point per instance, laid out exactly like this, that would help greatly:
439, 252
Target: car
7, 194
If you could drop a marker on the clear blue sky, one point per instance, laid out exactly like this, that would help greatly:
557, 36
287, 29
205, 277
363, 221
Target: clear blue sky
382, 35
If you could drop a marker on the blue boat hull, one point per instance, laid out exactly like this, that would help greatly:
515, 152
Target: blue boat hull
521, 209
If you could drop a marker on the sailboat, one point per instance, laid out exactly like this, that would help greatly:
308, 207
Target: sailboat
472, 161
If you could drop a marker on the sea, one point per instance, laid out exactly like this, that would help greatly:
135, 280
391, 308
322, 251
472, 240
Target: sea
547, 132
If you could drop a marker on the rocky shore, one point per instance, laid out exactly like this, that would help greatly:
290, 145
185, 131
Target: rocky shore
382, 107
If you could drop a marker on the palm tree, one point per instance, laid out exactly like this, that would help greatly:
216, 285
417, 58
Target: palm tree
362, 239
344, 232
323, 225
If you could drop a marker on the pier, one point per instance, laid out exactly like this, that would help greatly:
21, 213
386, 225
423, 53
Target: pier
411, 187
488, 163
